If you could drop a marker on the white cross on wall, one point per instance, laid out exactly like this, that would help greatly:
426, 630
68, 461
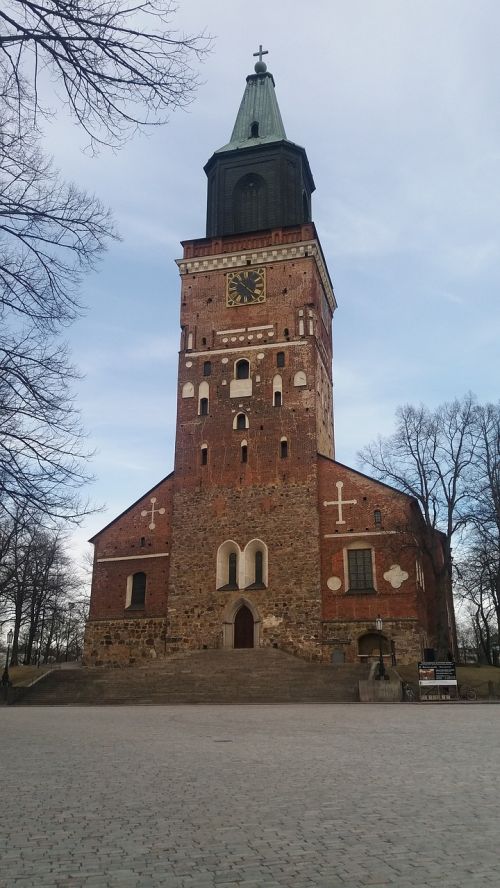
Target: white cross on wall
340, 502
152, 513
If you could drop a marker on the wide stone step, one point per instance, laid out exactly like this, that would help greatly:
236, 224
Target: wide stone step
262, 676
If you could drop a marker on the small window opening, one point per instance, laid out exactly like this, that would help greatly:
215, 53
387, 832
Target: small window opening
138, 595
286, 331
242, 370
259, 569
232, 569
241, 421
277, 399
143, 542
244, 453
254, 129
377, 517
207, 367
204, 456
204, 340
284, 449
280, 359
204, 407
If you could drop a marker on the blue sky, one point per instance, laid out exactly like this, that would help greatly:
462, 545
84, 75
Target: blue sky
397, 104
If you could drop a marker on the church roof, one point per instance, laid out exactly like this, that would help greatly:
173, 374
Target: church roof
259, 105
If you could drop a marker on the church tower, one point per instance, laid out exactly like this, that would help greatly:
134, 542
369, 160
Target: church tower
254, 395
259, 537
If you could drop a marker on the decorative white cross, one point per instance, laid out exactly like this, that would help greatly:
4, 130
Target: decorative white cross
261, 52
340, 502
153, 512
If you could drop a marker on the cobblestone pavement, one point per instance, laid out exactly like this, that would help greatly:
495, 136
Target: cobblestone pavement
333, 796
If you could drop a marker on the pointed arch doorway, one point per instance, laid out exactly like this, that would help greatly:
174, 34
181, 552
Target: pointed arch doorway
241, 625
244, 628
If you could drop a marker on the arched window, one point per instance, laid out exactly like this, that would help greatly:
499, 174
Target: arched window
207, 368
136, 590
277, 390
256, 568
377, 517
277, 399
203, 398
228, 564
250, 203
280, 359
283, 448
244, 453
254, 130
204, 455
242, 369
241, 421
188, 390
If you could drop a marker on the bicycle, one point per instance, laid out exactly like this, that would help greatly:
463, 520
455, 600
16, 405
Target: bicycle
465, 692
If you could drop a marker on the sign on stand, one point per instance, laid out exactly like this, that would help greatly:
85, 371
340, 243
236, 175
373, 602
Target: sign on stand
437, 679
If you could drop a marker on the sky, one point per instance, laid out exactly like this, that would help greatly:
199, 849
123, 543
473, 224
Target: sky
397, 104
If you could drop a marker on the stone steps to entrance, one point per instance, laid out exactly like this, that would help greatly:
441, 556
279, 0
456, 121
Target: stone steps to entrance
240, 676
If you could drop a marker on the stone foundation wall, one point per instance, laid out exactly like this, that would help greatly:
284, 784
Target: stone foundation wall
408, 636
124, 642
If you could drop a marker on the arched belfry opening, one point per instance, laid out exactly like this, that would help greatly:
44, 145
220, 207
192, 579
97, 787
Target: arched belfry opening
250, 203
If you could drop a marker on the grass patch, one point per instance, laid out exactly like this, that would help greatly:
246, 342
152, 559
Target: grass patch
24, 675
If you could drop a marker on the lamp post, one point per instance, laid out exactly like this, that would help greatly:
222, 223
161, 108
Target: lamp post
5, 674
381, 667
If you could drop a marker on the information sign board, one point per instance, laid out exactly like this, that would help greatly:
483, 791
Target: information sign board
437, 673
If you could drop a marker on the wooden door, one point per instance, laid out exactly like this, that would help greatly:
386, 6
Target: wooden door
243, 628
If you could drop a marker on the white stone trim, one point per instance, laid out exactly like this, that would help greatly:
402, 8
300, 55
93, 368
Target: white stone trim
360, 533
262, 327
246, 348
226, 332
276, 253
133, 557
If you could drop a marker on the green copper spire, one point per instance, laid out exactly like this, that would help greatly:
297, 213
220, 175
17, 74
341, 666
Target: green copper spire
259, 120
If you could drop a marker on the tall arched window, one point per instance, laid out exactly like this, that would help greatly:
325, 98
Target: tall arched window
277, 399
259, 568
254, 130
203, 406
283, 448
250, 203
203, 396
242, 369
241, 421
231, 570
256, 568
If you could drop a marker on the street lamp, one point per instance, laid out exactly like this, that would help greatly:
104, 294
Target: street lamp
5, 674
381, 667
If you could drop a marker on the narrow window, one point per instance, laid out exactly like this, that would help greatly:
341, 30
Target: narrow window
190, 342
143, 542
232, 569
138, 596
244, 453
204, 340
280, 359
277, 399
203, 406
204, 456
377, 517
284, 448
241, 421
360, 570
259, 569
254, 130
207, 368
242, 370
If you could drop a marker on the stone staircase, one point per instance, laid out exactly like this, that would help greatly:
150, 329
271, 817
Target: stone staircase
239, 676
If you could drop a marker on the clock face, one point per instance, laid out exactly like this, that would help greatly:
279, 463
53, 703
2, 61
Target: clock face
246, 287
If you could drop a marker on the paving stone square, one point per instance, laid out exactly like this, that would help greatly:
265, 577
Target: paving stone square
330, 796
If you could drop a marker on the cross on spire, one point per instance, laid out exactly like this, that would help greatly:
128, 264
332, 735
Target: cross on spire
261, 52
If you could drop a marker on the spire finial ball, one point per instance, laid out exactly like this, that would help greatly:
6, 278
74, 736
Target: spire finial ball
260, 67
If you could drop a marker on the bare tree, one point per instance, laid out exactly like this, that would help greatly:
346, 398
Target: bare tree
119, 66
430, 458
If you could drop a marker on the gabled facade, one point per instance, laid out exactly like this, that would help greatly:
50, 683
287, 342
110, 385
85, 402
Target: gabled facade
259, 537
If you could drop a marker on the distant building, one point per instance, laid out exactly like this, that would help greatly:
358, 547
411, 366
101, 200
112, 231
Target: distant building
259, 537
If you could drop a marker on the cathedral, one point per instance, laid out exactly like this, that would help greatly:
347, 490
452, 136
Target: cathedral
259, 537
